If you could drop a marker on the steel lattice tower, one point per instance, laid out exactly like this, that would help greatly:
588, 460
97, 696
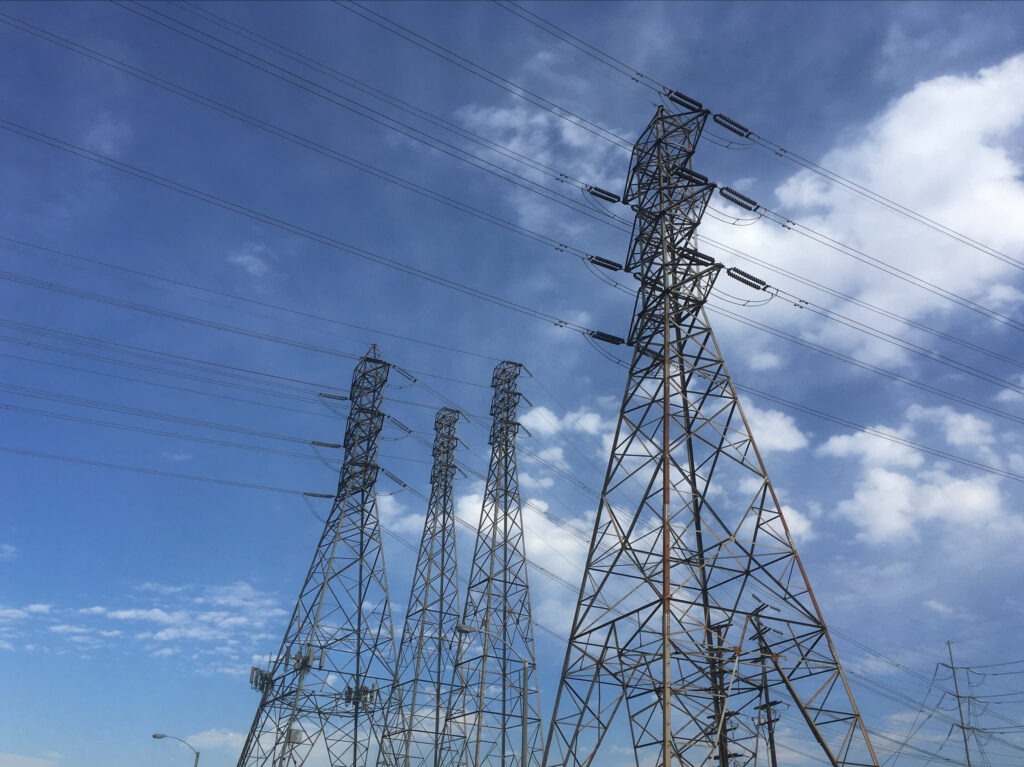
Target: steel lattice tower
695, 612
425, 689
327, 686
501, 711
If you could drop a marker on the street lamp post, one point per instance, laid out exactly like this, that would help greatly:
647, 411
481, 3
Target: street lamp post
162, 735
465, 628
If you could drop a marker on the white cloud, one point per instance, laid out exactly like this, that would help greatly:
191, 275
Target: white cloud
1012, 395
799, 524
16, 760
543, 422
899, 495
774, 430
217, 739
976, 189
961, 429
875, 450
64, 628
396, 518
253, 259
938, 607
762, 361
7, 552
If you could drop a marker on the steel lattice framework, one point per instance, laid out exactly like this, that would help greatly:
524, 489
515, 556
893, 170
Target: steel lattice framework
501, 710
695, 613
326, 688
416, 728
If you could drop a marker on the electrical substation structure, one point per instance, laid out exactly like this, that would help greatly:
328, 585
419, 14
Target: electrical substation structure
695, 619
325, 690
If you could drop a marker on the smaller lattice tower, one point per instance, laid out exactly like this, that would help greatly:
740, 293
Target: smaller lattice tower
501, 710
420, 707
325, 690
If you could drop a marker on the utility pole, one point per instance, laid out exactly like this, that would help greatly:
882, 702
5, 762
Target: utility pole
326, 685
417, 731
498, 673
690, 542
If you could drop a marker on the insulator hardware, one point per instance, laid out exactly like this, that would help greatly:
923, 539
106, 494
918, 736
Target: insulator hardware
692, 176
731, 125
332, 445
739, 199
747, 279
318, 495
684, 101
603, 194
332, 396
608, 338
604, 263
695, 257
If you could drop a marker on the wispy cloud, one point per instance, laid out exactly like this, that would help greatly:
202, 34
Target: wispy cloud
253, 259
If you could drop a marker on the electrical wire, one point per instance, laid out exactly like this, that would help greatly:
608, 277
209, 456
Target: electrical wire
338, 99
286, 226
752, 138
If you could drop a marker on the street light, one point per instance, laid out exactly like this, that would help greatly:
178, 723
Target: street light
162, 735
465, 628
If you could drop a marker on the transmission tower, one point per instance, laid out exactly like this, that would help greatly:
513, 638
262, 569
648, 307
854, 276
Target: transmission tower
327, 686
416, 727
501, 710
695, 613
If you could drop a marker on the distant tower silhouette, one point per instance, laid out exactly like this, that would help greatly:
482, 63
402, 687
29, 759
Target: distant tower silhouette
695, 614
498, 665
327, 686
416, 730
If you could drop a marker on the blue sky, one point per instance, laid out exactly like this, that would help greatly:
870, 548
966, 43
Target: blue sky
162, 349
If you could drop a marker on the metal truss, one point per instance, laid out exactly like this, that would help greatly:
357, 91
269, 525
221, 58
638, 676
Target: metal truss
325, 690
416, 732
501, 707
695, 614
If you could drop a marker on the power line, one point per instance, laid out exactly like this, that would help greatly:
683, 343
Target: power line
463, 63
534, 235
320, 91
286, 226
756, 139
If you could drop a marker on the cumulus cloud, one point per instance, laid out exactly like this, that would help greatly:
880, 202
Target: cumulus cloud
774, 430
975, 189
899, 494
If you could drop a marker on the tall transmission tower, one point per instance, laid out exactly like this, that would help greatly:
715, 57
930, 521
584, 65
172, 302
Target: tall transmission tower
326, 688
695, 614
501, 710
416, 732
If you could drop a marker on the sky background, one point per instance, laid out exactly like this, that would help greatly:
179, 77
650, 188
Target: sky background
203, 226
